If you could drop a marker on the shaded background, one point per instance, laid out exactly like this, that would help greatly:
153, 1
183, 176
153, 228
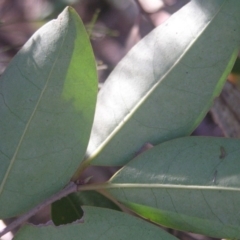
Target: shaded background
114, 27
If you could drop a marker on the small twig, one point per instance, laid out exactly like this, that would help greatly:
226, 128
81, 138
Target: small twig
70, 188
6, 24
93, 22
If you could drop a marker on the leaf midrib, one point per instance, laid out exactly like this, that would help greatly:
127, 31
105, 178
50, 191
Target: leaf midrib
30, 119
156, 185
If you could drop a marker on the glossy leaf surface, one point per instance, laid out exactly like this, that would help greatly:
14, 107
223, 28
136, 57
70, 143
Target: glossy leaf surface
47, 102
191, 184
166, 84
68, 209
98, 224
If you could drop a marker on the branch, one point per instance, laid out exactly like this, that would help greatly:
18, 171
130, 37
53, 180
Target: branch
70, 188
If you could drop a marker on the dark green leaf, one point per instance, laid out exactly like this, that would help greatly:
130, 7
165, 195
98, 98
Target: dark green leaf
68, 209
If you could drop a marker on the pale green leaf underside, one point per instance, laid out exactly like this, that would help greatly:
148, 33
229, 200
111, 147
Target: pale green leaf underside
98, 224
191, 184
47, 102
165, 85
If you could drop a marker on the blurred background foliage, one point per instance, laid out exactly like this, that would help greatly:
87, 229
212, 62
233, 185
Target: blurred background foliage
114, 27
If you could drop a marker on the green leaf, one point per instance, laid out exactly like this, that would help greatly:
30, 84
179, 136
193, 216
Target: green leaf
68, 209
191, 184
47, 102
98, 224
166, 84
